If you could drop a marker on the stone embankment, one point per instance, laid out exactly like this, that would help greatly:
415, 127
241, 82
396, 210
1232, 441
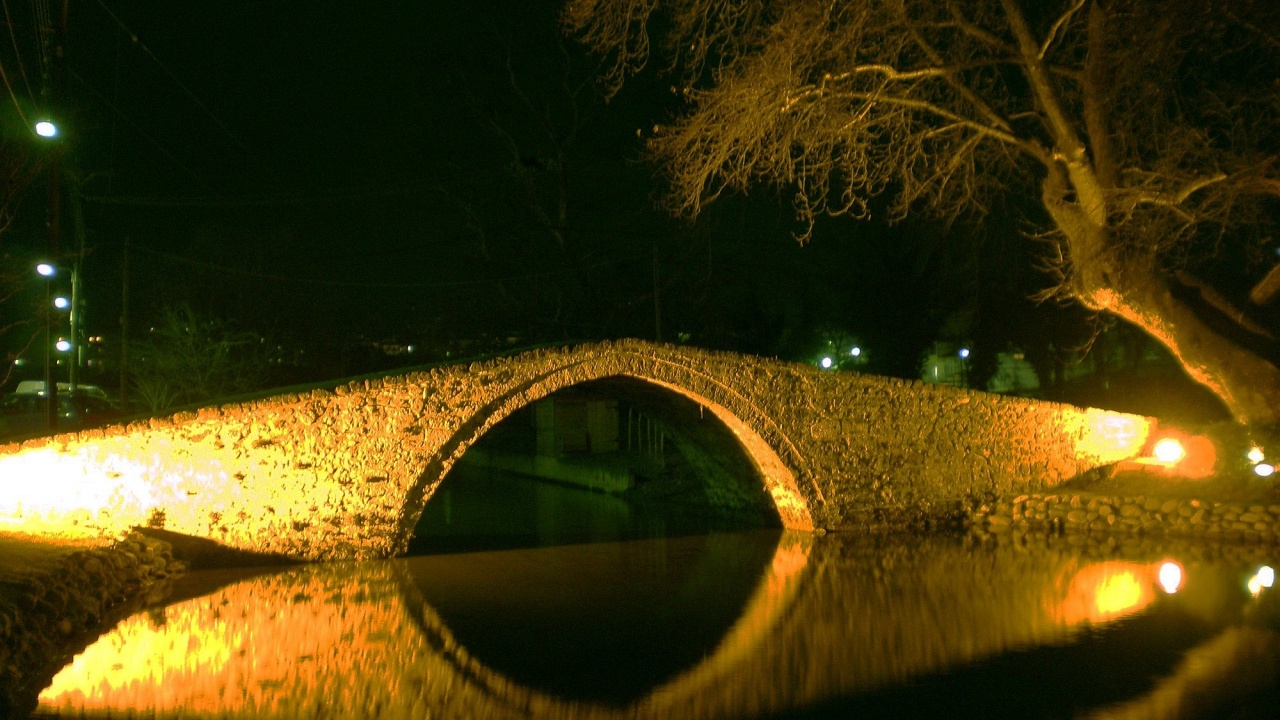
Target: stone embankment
49, 614
1087, 514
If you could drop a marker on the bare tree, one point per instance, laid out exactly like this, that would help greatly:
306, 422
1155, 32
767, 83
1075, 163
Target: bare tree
1143, 135
188, 359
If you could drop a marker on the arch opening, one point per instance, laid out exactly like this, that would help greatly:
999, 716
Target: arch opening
608, 459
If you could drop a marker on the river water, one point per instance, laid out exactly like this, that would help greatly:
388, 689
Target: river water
621, 615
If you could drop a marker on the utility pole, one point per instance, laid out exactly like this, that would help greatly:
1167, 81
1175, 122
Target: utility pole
124, 327
657, 297
53, 98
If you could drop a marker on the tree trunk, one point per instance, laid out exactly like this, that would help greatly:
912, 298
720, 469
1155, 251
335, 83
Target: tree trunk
1133, 290
1130, 287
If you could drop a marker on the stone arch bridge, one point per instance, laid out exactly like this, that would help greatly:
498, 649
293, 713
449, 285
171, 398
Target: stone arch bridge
345, 472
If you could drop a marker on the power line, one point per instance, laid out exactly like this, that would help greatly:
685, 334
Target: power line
17, 55
137, 127
353, 284
216, 120
258, 200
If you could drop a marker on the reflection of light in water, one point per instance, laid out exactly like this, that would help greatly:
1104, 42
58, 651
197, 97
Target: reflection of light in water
1106, 591
271, 647
1170, 576
329, 642
1264, 578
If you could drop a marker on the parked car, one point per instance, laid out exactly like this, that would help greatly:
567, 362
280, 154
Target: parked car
37, 387
23, 414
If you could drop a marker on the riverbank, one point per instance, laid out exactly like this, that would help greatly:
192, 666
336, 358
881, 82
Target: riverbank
1232, 509
55, 597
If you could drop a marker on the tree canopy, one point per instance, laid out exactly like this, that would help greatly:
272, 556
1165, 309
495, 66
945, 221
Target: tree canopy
1141, 137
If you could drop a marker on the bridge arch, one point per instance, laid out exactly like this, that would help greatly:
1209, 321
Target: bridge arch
773, 461
343, 471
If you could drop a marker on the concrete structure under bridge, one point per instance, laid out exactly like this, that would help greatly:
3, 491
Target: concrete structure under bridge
345, 471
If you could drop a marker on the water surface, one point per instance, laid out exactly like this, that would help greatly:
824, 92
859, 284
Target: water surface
726, 625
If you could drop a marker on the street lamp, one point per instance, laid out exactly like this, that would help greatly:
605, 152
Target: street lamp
49, 272
46, 129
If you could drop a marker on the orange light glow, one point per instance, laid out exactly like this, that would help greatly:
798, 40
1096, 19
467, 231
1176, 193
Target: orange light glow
1174, 452
1106, 437
1106, 591
1169, 451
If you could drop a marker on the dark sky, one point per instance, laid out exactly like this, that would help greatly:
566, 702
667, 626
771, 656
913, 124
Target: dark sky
434, 173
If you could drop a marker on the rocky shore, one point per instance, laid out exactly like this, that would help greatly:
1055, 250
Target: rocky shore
55, 608
1086, 514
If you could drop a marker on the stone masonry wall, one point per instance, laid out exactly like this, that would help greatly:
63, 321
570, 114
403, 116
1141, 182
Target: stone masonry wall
344, 472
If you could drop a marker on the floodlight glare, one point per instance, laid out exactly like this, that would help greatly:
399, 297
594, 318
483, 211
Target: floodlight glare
1169, 451
46, 129
46, 269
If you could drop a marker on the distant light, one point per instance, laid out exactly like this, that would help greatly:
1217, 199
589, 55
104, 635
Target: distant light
1255, 455
1168, 451
1170, 576
1263, 470
827, 362
856, 351
61, 303
45, 269
44, 128
412, 348
63, 345
20, 362
964, 352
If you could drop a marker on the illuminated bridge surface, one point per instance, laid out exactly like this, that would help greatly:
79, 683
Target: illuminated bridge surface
344, 472
930, 627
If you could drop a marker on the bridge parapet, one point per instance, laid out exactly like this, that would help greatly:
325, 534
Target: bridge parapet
345, 473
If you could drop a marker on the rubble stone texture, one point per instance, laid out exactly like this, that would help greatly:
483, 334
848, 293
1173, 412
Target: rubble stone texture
344, 472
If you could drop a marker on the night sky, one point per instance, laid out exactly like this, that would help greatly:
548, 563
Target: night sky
447, 175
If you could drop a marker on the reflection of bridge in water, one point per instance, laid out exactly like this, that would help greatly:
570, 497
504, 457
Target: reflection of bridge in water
829, 617
345, 472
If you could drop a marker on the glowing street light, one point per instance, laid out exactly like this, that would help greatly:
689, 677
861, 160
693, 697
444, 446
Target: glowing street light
61, 303
964, 353
1263, 469
46, 129
856, 351
827, 362
63, 345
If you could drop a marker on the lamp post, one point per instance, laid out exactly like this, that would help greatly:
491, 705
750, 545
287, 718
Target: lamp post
49, 272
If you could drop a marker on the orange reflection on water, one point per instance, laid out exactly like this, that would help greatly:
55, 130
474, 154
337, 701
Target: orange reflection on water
1106, 591
271, 647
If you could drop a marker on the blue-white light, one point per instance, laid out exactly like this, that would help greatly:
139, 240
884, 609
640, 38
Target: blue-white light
964, 352
856, 351
827, 362
1263, 469
63, 345
46, 269
46, 129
